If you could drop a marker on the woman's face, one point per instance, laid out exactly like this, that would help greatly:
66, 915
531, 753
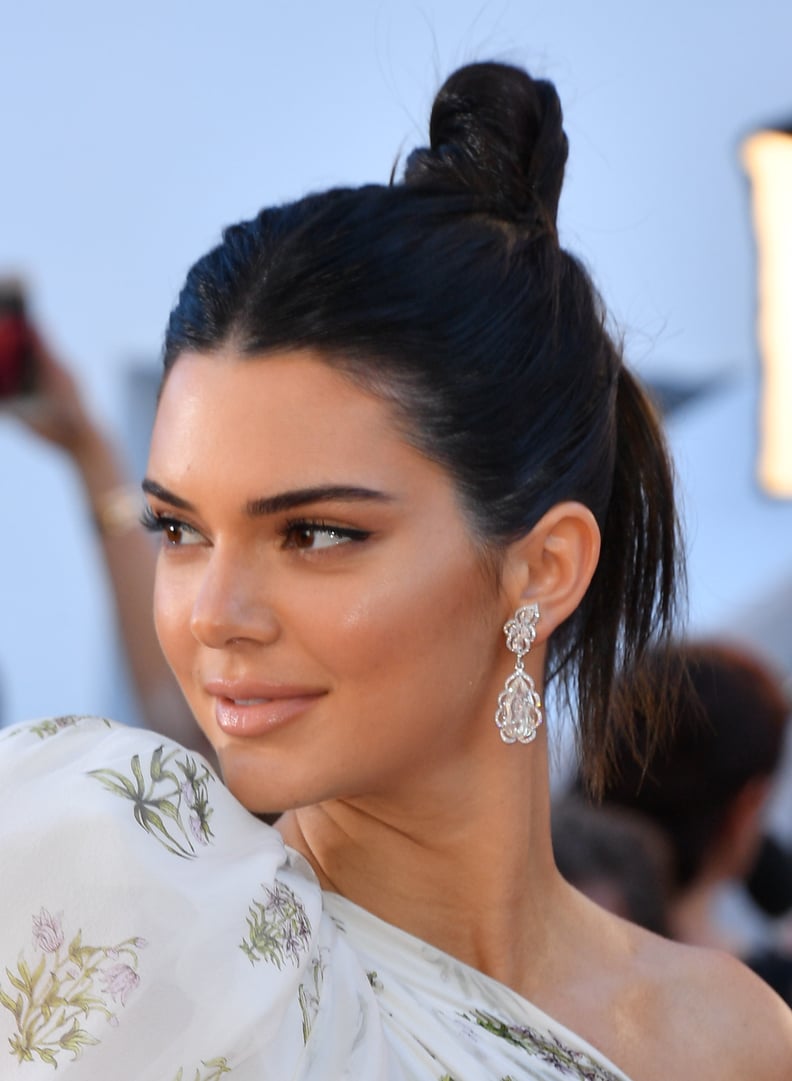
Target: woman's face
319, 594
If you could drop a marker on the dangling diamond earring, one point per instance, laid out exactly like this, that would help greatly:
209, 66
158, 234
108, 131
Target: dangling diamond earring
519, 705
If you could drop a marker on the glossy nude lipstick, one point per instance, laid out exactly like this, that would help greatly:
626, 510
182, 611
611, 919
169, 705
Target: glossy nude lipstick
248, 709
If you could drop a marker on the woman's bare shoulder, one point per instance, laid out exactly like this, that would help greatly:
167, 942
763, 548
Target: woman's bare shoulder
724, 1021
661, 1010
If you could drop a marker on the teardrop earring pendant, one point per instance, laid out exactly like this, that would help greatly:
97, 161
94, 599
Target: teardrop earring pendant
519, 712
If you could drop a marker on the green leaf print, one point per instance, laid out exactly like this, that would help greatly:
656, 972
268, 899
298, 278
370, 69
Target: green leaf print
278, 928
309, 992
171, 804
448, 1077
52, 725
213, 1070
65, 987
547, 1047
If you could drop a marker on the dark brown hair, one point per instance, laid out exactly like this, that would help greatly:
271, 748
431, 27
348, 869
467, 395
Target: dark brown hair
449, 294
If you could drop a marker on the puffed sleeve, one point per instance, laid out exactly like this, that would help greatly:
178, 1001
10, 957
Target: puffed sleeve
153, 930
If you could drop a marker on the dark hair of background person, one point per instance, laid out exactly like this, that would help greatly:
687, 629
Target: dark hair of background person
729, 731
449, 295
770, 881
617, 857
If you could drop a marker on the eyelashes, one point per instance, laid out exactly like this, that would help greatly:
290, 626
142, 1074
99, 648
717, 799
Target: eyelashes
310, 535
300, 534
154, 523
175, 533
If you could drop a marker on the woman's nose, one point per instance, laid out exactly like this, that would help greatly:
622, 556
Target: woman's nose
231, 603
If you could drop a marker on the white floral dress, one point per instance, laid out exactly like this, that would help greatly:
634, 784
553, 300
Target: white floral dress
154, 930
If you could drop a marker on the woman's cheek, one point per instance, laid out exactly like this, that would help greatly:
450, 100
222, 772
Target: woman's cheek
171, 619
368, 627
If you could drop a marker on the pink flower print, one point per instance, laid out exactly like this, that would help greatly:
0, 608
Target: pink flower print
197, 829
47, 931
119, 981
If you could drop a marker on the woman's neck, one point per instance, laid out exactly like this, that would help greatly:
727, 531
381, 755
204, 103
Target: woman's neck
467, 867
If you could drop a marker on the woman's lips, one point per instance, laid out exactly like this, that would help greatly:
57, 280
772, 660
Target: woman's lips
249, 711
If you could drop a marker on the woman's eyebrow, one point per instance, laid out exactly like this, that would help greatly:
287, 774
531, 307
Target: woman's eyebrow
300, 497
283, 501
159, 492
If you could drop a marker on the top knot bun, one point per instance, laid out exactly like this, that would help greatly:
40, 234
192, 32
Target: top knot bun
497, 133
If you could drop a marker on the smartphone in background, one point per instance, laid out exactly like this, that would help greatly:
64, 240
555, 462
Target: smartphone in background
17, 353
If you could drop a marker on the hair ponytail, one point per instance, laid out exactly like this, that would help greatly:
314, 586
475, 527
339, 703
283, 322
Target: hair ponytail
631, 603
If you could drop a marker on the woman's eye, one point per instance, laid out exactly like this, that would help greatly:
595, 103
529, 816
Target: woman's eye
315, 535
179, 534
175, 534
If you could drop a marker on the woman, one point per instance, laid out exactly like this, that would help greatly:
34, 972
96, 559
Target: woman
391, 428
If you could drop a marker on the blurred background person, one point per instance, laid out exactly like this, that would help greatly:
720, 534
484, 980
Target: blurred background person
39, 390
616, 857
707, 790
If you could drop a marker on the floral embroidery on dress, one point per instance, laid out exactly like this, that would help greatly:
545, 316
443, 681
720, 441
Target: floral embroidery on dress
278, 928
448, 1077
61, 991
308, 994
547, 1047
52, 725
173, 807
214, 1069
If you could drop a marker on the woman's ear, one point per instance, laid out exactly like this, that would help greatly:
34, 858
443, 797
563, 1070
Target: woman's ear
553, 565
